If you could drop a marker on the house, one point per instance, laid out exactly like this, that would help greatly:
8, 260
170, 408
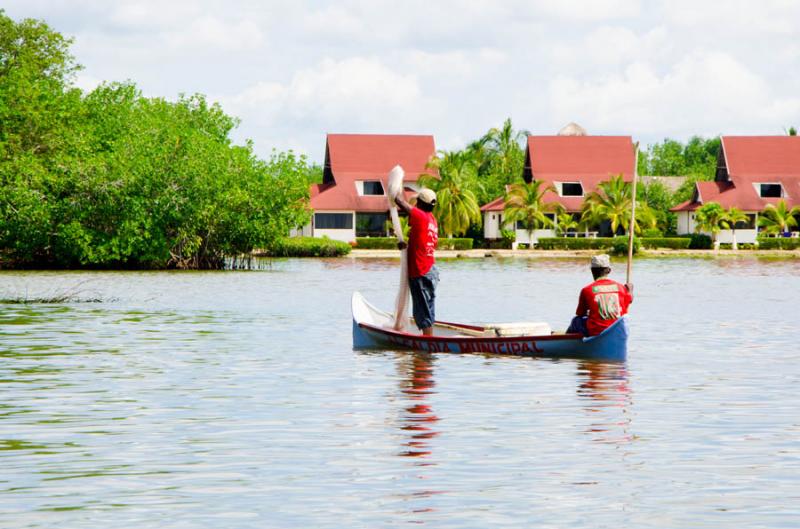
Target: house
752, 172
351, 200
574, 164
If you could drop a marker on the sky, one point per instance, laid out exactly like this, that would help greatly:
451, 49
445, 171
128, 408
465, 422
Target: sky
293, 71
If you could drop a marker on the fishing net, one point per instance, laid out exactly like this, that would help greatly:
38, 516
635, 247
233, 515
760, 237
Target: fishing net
401, 303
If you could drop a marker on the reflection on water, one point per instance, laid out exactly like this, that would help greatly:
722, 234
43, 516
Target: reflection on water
419, 419
606, 393
236, 400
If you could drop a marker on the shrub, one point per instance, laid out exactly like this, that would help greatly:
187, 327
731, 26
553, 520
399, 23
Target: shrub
619, 245
778, 243
676, 243
390, 243
652, 233
576, 243
700, 241
308, 247
455, 244
376, 243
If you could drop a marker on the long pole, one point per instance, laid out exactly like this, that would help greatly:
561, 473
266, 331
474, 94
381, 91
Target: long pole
633, 211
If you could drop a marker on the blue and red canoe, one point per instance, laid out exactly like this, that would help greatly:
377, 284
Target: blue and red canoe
373, 329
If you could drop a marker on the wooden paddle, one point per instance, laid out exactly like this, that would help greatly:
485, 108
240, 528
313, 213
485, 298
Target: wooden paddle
633, 212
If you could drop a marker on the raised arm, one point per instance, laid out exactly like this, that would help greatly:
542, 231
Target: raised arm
402, 204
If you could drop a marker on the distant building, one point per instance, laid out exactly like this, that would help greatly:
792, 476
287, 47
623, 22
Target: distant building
351, 201
752, 172
574, 164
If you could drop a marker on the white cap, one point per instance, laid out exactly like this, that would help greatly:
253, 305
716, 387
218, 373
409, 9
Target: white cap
427, 195
601, 261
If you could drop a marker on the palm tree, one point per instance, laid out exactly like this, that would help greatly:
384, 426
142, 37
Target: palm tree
524, 204
732, 217
566, 222
710, 218
611, 201
778, 218
456, 204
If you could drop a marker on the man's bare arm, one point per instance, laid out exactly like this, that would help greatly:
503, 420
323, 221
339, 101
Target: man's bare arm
402, 204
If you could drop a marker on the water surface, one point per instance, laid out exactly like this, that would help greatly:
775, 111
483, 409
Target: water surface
234, 399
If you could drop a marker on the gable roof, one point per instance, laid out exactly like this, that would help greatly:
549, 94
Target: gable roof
589, 160
593, 157
353, 157
761, 157
746, 162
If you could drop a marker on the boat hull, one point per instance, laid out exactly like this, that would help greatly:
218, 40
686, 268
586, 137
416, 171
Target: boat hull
371, 330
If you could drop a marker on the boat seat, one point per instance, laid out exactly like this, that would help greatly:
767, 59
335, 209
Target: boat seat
521, 328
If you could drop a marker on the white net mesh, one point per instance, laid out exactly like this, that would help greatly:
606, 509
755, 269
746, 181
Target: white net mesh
401, 303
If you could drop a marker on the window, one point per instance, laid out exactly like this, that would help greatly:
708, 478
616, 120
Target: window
771, 191
333, 221
371, 224
571, 189
373, 187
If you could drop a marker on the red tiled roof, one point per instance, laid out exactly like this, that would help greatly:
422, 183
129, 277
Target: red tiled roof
759, 157
752, 160
355, 157
557, 157
589, 160
495, 205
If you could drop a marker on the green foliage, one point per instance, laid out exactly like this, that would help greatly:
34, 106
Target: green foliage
524, 204
619, 245
675, 243
376, 243
700, 241
308, 247
778, 218
710, 218
114, 179
575, 243
653, 233
456, 204
778, 243
698, 157
455, 244
390, 243
612, 202
499, 158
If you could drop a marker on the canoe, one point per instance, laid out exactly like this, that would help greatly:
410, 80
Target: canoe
373, 329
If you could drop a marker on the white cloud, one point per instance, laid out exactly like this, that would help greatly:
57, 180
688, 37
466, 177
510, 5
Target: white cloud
217, 34
354, 89
704, 93
589, 10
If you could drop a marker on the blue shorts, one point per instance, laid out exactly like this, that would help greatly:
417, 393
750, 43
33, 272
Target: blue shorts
423, 297
578, 324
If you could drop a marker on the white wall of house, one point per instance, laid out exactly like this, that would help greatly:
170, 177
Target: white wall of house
685, 222
524, 237
303, 231
492, 224
742, 236
344, 235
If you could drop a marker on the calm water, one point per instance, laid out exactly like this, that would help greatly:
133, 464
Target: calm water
228, 400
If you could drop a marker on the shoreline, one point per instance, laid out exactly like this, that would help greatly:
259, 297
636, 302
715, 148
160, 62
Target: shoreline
566, 254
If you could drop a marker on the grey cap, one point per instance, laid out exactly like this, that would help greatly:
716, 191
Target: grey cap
601, 261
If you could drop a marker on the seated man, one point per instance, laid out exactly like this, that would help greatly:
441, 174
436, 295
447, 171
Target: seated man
602, 302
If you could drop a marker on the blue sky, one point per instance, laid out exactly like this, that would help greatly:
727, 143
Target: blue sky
294, 70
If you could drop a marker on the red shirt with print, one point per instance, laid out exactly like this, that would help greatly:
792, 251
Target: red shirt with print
422, 242
605, 301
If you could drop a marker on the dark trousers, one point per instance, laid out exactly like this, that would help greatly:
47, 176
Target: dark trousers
423, 297
578, 324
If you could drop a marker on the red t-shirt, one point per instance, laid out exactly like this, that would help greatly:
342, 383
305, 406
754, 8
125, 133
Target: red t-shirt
421, 242
605, 301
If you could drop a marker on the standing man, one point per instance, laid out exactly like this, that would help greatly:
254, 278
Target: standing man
423, 276
602, 302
